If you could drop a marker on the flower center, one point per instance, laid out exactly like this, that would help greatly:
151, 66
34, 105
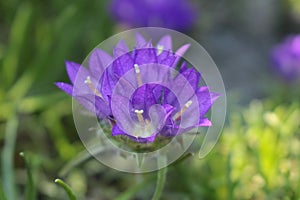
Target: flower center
92, 87
185, 107
143, 128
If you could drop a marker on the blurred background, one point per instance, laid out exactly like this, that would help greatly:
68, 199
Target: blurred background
254, 44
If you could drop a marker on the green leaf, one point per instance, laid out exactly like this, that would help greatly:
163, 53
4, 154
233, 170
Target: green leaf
40, 102
67, 189
18, 35
8, 157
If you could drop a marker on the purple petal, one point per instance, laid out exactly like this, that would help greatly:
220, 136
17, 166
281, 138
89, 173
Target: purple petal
108, 82
192, 76
120, 110
122, 64
166, 42
120, 49
95, 105
183, 67
67, 88
98, 62
169, 109
81, 86
204, 122
205, 99
72, 70
166, 58
145, 56
180, 52
140, 41
143, 98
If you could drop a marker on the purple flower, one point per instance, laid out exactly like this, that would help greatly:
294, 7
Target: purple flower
140, 92
286, 58
174, 14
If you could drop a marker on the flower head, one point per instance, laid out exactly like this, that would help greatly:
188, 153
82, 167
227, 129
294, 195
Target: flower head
140, 92
286, 58
174, 14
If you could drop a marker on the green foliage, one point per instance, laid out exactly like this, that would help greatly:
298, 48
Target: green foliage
257, 156
36, 39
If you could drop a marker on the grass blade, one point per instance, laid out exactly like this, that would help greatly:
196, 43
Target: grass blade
18, 36
8, 157
30, 186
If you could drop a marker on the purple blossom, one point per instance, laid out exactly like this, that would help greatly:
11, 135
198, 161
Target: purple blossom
139, 92
174, 14
286, 58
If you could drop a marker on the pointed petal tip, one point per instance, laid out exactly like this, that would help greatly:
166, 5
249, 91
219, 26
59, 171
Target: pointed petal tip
67, 88
166, 42
205, 122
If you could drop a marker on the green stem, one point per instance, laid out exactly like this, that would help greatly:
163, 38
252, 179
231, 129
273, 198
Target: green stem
30, 186
67, 189
161, 180
129, 194
8, 157
2, 196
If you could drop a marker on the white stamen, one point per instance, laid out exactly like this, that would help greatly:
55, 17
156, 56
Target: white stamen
92, 87
138, 74
88, 80
139, 111
137, 68
139, 114
186, 106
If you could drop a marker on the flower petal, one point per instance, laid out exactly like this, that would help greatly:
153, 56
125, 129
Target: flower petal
165, 42
166, 58
122, 64
140, 41
120, 49
67, 88
192, 76
98, 62
72, 70
204, 122
180, 52
143, 98
145, 56
120, 110
95, 105
205, 99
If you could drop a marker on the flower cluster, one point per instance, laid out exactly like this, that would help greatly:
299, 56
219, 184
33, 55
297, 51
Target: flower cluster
140, 92
174, 14
286, 58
